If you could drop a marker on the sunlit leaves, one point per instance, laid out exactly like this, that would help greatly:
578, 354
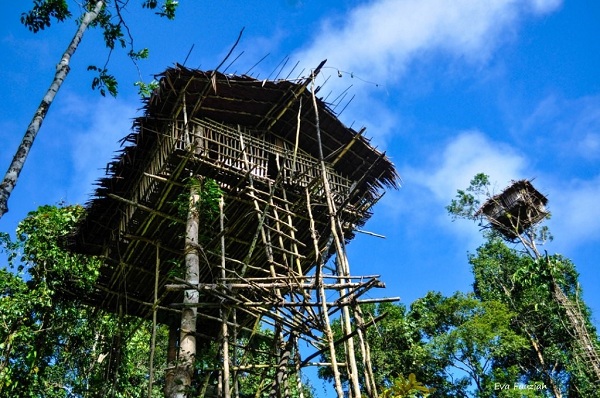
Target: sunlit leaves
468, 335
168, 8
39, 249
525, 285
467, 201
137, 55
406, 388
145, 90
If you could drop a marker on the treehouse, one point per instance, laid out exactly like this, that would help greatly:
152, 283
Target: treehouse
515, 209
225, 203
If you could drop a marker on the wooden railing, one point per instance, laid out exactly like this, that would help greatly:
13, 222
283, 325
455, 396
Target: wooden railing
239, 150
267, 157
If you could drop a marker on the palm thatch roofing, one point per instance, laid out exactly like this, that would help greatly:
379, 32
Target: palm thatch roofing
208, 124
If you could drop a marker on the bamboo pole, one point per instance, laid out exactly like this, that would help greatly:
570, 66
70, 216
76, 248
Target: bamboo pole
341, 257
365, 353
275, 285
236, 385
306, 361
289, 304
297, 361
224, 311
328, 332
154, 309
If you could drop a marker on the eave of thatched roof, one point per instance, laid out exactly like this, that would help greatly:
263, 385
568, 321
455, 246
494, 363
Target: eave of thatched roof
269, 105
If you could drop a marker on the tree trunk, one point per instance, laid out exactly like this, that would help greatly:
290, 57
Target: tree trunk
62, 69
184, 370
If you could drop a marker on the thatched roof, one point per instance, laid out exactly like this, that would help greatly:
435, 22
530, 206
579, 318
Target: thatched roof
515, 209
133, 212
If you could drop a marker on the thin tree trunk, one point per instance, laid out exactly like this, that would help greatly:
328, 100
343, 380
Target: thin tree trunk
62, 69
184, 369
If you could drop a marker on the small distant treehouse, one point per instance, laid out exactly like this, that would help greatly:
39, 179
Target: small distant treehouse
292, 185
515, 209
512, 213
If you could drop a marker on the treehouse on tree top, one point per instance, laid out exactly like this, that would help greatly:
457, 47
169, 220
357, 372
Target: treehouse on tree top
516, 209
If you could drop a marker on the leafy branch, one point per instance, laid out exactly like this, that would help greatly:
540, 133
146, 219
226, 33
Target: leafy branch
407, 388
42, 13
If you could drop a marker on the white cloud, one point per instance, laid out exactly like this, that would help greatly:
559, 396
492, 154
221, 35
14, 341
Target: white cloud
469, 153
575, 212
95, 126
544, 6
374, 44
429, 187
378, 40
567, 128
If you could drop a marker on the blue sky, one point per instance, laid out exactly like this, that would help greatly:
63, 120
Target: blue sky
447, 88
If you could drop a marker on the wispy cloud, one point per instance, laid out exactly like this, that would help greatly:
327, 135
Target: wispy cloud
378, 40
373, 45
566, 128
467, 154
430, 186
95, 126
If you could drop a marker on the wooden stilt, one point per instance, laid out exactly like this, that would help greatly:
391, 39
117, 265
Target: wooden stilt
154, 324
323, 298
343, 269
187, 338
224, 313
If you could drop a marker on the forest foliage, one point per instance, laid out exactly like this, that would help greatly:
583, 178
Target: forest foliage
507, 332
51, 343
507, 338
55, 344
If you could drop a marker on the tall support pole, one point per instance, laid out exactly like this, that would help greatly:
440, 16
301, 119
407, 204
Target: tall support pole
236, 384
224, 311
366, 353
171, 360
187, 335
323, 298
297, 361
342, 263
153, 338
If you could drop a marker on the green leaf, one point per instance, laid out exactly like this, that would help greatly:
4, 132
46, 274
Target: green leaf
137, 55
42, 13
104, 81
146, 90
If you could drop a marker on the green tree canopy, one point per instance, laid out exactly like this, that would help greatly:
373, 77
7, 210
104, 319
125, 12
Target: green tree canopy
52, 344
544, 293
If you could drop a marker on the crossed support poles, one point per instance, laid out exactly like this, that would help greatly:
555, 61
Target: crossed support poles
296, 307
287, 293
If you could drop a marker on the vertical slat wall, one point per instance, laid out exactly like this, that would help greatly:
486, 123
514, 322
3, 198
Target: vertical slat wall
221, 145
